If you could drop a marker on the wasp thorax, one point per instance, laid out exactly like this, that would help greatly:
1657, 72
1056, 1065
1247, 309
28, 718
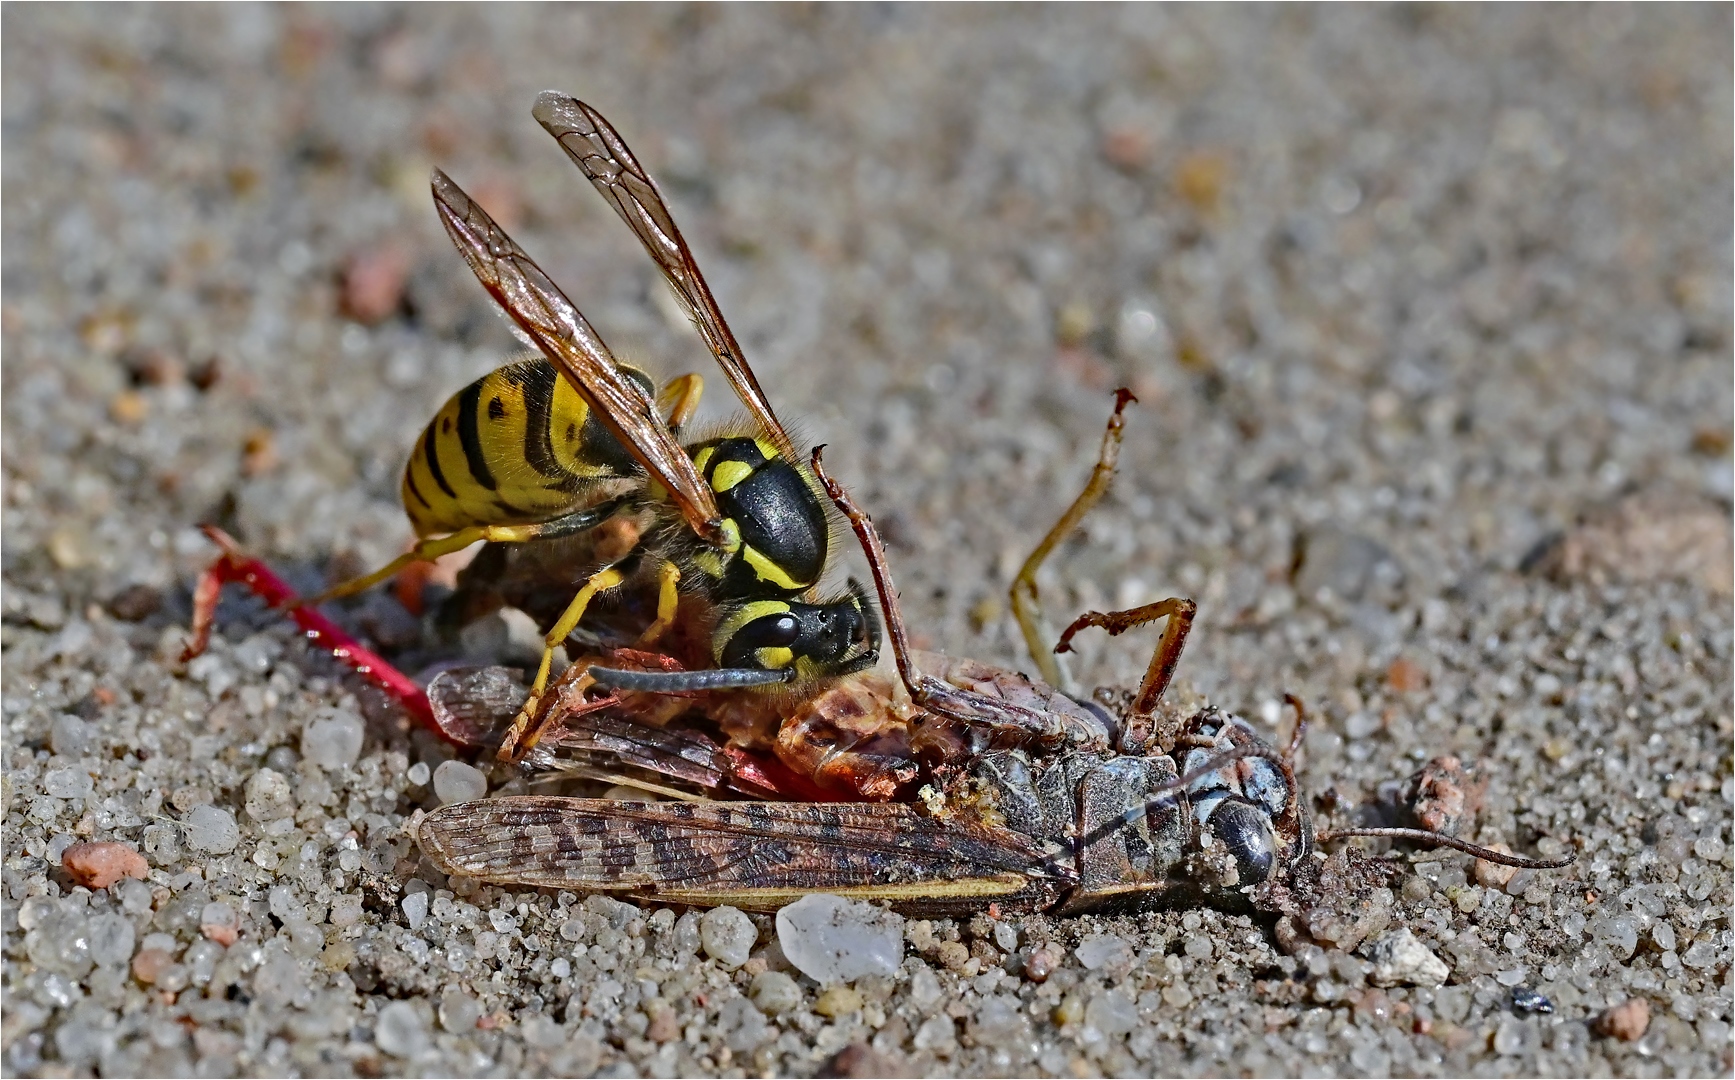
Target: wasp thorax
777, 532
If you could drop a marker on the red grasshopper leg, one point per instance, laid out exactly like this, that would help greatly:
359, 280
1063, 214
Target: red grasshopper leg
320, 631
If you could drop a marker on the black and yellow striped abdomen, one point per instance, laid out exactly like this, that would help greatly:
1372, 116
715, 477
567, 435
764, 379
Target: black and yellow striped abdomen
517, 446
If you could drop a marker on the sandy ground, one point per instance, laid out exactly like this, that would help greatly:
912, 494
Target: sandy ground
1428, 312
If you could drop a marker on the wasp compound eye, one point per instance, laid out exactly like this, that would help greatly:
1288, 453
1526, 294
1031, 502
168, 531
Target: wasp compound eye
769, 640
776, 630
1246, 832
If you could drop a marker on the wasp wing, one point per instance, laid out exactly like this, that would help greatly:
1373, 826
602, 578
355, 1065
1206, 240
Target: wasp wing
566, 337
602, 155
757, 855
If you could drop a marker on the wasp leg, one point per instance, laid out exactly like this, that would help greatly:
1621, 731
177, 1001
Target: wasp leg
668, 599
1162, 667
1026, 601
603, 580
679, 400
432, 548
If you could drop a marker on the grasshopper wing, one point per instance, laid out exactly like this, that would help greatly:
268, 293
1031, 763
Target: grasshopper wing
754, 855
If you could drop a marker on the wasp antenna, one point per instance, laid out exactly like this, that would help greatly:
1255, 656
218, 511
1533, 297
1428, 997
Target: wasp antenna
679, 682
1434, 839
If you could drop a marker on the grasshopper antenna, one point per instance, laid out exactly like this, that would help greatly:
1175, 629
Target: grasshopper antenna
1434, 839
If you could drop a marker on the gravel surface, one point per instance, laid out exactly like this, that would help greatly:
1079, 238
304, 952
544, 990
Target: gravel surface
1428, 311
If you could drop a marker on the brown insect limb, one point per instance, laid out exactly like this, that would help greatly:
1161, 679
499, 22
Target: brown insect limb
1434, 839
1291, 816
1300, 731
1179, 612
925, 690
1026, 600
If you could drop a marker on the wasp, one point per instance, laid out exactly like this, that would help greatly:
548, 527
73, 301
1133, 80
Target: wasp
541, 455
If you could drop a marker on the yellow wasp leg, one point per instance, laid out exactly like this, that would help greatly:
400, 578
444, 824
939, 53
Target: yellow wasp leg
1026, 603
434, 547
680, 400
429, 550
668, 599
601, 581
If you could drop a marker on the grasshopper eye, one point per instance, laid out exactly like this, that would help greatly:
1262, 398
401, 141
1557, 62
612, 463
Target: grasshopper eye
1246, 832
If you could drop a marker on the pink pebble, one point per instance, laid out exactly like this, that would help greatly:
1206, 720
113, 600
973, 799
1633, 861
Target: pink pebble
97, 866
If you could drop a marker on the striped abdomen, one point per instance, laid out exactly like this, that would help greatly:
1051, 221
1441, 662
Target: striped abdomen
518, 445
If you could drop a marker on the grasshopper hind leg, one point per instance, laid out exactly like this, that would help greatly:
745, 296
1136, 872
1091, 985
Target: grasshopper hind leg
1026, 600
1161, 670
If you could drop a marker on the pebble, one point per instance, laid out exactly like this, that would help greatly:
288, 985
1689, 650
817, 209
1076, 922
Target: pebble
833, 940
1494, 875
456, 782
111, 939
1400, 960
415, 907
373, 283
333, 739
727, 935
938, 1034
399, 1031
99, 865
135, 603
67, 782
1343, 562
998, 1017
924, 987
1526, 1000
151, 963
775, 993
70, 736
837, 1001
1619, 932
1626, 1021
267, 796
213, 829
459, 1011
1040, 964
1508, 1036
1111, 1013
1106, 952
